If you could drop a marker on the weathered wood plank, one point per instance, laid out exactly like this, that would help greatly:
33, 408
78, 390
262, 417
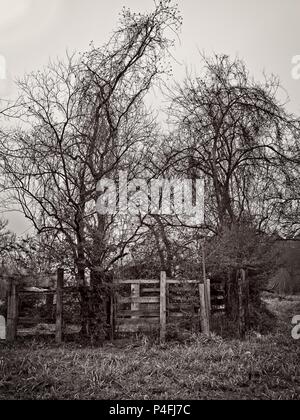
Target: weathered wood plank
12, 311
138, 281
163, 307
148, 300
156, 281
112, 317
203, 311
142, 314
151, 290
182, 281
130, 322
125, 329
59, 306
208, 283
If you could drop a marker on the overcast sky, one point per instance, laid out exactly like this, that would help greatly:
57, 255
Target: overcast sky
265, 33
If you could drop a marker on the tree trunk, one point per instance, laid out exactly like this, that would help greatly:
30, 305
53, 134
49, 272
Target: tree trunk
96, 302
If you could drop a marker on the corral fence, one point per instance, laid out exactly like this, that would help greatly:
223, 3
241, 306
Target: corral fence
137, 305
19, 322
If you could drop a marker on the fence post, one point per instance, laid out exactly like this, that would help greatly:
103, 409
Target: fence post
243, 299
247, 299
112, 318
59, 305
209, 295
12, 311
163, 307
112, 312
203, 310
205, 299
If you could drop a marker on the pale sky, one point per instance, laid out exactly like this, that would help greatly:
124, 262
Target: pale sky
265, 33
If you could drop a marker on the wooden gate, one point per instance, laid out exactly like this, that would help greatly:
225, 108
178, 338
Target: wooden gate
146, 305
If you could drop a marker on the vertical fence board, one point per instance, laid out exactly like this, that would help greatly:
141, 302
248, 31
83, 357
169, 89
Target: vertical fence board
206, 292
203, 311
243, 303
163, 307
59, 306
209, 294
247, 300
112, 312
12, 311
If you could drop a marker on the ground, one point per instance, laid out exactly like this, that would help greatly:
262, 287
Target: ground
263, 367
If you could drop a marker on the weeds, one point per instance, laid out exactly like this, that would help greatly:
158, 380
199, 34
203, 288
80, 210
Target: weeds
264, 367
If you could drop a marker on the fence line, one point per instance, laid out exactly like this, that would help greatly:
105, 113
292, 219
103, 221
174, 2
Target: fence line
148, 306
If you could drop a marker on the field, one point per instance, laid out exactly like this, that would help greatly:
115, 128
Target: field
263, 367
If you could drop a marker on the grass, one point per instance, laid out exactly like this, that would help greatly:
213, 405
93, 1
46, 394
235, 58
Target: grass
263, 367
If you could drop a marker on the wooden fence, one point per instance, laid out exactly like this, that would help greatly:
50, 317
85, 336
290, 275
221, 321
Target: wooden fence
13, 297
145, 305
137, 305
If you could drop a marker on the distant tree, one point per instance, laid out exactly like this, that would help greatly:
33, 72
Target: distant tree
234, 132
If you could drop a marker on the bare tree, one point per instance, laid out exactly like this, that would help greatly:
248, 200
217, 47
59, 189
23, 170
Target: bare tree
83, 120
235, 133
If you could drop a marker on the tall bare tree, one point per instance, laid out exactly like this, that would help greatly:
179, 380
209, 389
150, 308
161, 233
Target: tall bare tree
82, 120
